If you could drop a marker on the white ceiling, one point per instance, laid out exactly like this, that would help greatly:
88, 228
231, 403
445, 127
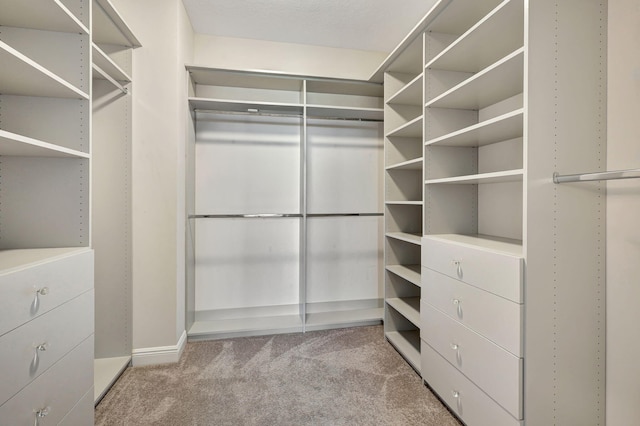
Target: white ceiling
377, 25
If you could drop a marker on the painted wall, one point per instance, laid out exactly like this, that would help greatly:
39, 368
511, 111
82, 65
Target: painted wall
159, 93
623, 211
237, 53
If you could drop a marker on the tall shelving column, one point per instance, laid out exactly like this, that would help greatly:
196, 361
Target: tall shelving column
112, 45
46, 264
403, 125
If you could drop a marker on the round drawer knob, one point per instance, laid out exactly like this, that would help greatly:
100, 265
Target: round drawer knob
43, 291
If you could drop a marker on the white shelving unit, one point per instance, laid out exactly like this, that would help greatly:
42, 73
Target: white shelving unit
511, 265
46, 264
111, 55
292, 244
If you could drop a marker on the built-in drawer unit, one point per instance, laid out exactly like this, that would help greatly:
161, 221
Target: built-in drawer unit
494, 266
464, 398
31, 349
496, 318
33, 289
56, 392
496, 371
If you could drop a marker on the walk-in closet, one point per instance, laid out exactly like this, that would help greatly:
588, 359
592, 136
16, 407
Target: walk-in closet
211, 208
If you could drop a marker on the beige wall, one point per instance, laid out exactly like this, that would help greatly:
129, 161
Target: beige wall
159, 93
237, 53
623, 216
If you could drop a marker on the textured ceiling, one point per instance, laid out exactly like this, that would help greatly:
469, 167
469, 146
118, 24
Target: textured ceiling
377, 25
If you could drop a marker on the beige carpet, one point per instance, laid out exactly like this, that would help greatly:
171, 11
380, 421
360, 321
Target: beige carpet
336, 377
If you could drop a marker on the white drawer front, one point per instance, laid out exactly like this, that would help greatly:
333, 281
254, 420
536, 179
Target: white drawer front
493, 369
63, 279
498, 273
55, 333
495, 318
55, 392
82, 414
464, 398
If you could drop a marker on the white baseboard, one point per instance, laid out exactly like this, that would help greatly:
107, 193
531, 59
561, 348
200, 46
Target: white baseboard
160, 354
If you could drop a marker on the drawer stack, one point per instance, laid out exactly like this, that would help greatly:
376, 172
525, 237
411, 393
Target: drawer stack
46, 337
471, 325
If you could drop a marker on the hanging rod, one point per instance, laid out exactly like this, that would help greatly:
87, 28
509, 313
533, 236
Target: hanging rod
254, 113
373, 120
586, 177
244, 216
342, 214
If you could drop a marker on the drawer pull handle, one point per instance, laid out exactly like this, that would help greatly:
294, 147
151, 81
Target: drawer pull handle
458, 265
35, 362
41, 413
455, 394
458, 304
42, 347
36, 302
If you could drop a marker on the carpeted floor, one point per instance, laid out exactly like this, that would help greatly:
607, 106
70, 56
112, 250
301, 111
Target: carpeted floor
335, 377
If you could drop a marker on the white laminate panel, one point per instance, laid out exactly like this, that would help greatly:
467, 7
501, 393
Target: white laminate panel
496, 318
55, 392
82, 414
499, 272
58, 331
64, 278
464, 398
495, 370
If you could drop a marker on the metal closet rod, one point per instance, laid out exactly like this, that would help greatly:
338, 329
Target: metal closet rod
587, 177
277, 215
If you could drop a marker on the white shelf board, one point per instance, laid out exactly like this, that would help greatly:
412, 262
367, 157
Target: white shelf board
12, 260
106, 64
485, 42
99, 74
405, 236
344, 87
410, 94
51, 15
410, 273
415, 164
408, 307
408, 344
339, 112
486, 242
109, 27
411, 129
403, 203
497, 82
493, 177
252, 326
269, 80
225, 105
105, 372
342, 319
12, 144
19, 75
501, 128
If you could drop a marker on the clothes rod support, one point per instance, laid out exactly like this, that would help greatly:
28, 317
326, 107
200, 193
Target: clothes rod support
245, 216
586, 177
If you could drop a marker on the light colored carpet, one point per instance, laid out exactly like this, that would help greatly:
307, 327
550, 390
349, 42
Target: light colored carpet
335, 377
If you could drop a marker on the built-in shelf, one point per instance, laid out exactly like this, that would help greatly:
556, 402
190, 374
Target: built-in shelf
20, 258
403, 203
109, 27
340, 319
99, 74
411, 94
105, 372
495, 83
505, 127
410, 273
408, 307
405, 236
50, 15
415, 164
106, 64
408, 344
20, 75
249, 107
411, 129
12, 144
250, 326
494, 177
354, 113
486, 242
484, 43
